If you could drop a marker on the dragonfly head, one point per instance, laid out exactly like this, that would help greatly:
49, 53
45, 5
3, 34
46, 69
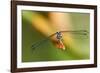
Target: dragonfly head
58, 35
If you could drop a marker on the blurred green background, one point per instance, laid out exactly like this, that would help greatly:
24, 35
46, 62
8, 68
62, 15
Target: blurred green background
47, 51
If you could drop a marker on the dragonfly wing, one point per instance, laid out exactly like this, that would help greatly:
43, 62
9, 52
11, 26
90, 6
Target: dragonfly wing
78, 33
37, 44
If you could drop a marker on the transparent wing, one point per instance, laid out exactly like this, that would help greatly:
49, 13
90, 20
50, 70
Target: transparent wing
37, 44
78, 33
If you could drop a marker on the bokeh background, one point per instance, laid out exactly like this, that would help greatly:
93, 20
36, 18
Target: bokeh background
38, 25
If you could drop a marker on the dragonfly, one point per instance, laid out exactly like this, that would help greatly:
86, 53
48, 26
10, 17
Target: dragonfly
59, 38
